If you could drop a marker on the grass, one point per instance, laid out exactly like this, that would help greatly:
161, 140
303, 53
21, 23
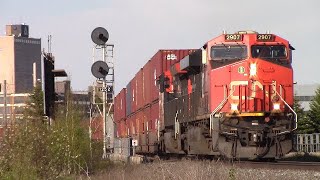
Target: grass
199, 170
301, 156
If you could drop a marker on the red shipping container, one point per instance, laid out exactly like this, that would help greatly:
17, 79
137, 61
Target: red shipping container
131, 124
116, 111
129, 99
125, 129
122, 104
139, 122
139, 90
118, 128
147, 83
138, 126
129, 130
122, 132
128, 126
134, 94
147, 118
155, 117
161, 62
117, 107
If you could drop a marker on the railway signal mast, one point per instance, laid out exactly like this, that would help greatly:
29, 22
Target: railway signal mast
103, 70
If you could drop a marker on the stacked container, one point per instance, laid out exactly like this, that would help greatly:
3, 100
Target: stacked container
123, 129
128, 100
140, 100
120, 106
134, 87
161, 62
147, 83
137, 105
154, 116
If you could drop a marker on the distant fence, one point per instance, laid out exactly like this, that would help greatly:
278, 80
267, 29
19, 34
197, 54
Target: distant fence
308, 142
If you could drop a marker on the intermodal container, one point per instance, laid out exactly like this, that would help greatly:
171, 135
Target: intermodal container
123, 129
120, 106
138, 125
145, 129
154, 117
131, 124
128, 131
128, 99
118, 128
161, 62
116, 104
139, 89
134, 94
147, 83
147, 118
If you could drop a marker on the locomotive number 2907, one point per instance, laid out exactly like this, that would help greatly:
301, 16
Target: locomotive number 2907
265, 37
233, 37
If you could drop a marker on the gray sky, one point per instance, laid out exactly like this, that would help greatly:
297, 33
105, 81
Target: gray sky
138, 28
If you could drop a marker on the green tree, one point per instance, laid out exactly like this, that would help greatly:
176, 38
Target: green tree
25, 144
314, 113
33, 150
304, 124
35, 106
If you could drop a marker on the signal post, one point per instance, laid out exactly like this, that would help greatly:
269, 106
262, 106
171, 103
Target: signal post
103, 70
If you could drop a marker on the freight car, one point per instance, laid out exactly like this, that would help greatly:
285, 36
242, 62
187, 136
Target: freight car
232, 97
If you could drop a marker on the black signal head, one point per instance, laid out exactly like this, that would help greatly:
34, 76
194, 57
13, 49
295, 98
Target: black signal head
99, 69
100, 36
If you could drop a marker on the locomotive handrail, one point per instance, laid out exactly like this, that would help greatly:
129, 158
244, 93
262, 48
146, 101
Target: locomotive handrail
176, 125
217, 109
295, 114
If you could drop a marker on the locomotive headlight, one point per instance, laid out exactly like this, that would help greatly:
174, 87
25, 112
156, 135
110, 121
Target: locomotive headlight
253, 69
276, 106
234, 107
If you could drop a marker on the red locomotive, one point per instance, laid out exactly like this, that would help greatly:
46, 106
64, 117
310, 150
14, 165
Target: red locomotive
233, 97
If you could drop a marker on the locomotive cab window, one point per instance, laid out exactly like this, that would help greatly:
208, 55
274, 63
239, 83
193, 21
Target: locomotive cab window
228, 52
269, 52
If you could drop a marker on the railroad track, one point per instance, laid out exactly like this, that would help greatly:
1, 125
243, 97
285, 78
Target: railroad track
315, 166
280, 164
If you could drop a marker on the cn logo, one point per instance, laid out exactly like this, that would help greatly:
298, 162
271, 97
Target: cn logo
171, 57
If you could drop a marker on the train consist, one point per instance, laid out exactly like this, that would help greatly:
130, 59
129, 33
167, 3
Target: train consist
232, 97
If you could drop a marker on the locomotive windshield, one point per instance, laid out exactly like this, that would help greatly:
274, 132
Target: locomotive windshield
228, 52
269, 52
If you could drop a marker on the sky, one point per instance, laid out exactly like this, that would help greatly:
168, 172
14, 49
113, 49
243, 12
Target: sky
138, 28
